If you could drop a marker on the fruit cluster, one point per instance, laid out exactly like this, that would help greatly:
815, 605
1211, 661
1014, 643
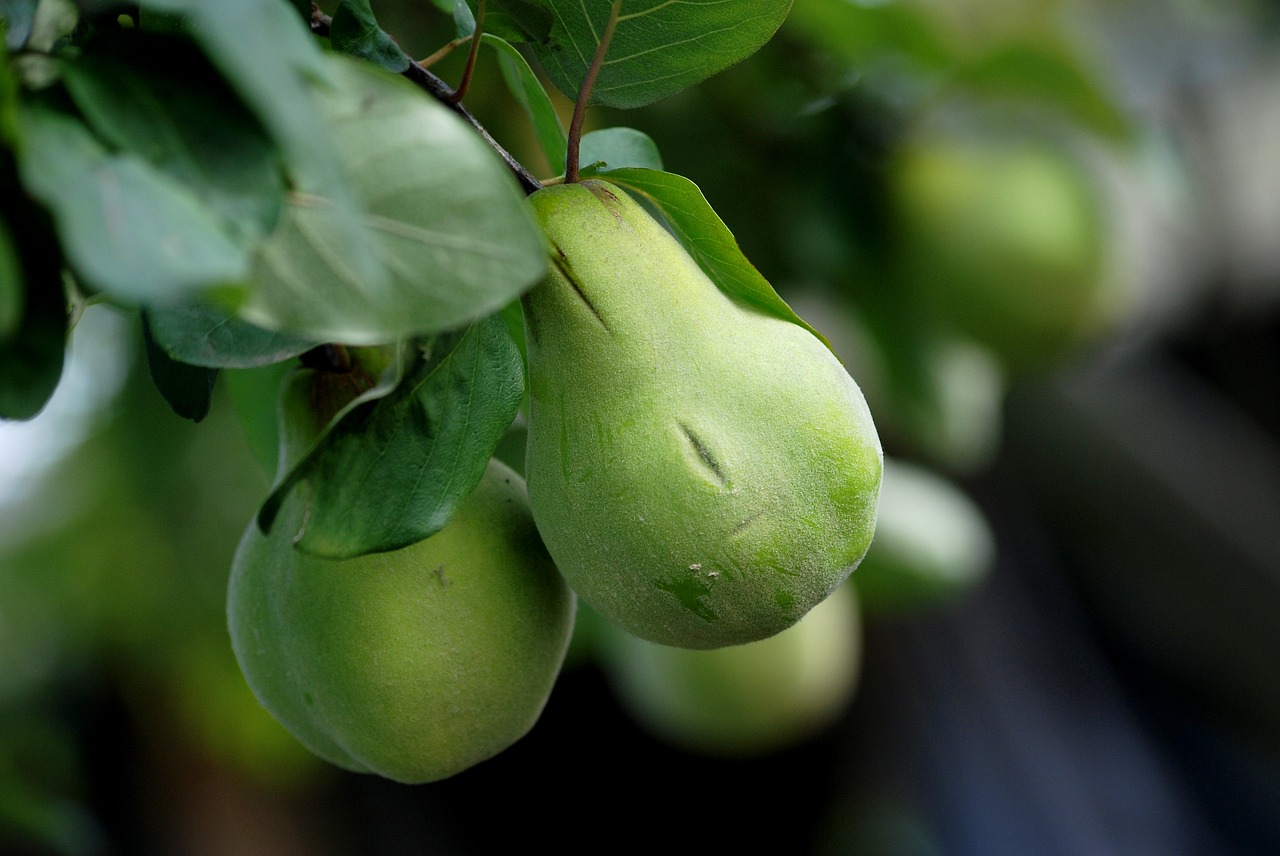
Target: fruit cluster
702, 474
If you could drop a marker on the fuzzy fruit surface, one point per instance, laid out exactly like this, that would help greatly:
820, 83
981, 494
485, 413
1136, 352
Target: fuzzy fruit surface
414, 664
703, 474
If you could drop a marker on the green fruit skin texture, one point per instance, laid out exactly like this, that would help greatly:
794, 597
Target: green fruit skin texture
414, 664
704, 474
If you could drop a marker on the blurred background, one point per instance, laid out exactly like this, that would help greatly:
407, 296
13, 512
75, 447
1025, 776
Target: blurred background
1044, 236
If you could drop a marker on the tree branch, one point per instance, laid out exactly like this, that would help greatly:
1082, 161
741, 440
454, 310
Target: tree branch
442, 92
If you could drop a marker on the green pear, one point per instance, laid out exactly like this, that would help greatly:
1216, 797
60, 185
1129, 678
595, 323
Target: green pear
744, 700
702, 473
416, 663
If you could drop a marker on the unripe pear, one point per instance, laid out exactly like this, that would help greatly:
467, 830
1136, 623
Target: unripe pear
702, 472
744, 700
416, 663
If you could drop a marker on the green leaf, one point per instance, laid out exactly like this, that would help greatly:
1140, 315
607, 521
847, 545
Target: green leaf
390, 472
148, 95
187, 388
659, 46
445, 216
529, 92
202, 334
17, 16
616, 148
270, 58
706, 237
355, 31
127, 228
31, 355
10, 284
510, 20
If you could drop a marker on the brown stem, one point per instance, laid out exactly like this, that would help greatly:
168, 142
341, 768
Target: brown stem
449, 48
438, 89
465, 82
584, 95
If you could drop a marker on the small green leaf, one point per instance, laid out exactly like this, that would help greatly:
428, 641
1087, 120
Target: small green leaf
355, 31
616, 148
706, 237
390, 472
149, 95
31, 355
529, 92
445, 216
659, 46
127, 228
202, 334
187, 388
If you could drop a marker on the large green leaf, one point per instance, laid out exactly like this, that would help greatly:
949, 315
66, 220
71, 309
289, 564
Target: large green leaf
390, 471
127, 228
446, 219
509, 20
202, 334
659, 46
355, 31
706, 237
148, 95
270, 58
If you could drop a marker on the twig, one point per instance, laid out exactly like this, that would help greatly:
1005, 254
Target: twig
438, 89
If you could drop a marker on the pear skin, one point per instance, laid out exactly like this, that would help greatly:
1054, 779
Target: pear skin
702, 473
414, 664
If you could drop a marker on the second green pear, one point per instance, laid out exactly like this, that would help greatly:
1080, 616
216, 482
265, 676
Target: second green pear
703, 473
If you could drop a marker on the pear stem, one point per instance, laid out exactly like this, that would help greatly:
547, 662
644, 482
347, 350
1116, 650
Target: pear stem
584, 95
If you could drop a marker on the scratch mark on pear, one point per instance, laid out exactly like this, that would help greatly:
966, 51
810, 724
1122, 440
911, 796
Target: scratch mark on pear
566, 270
704, 452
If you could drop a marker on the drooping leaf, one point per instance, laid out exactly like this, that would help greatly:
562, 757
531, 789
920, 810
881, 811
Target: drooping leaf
271, 60
187, 388
390, 471
31, 355
445, 217
529, 92
127, 228
616, 148
147, 95
355, 31
706, 237
203, 334
659, 46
